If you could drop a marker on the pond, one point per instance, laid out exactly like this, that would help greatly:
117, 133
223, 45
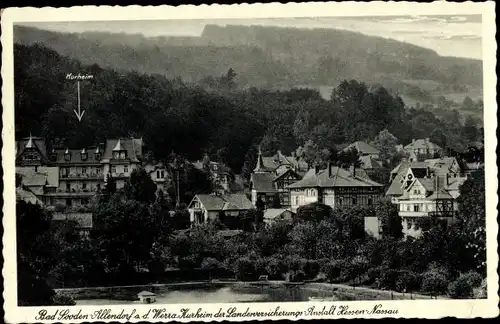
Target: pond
227, 294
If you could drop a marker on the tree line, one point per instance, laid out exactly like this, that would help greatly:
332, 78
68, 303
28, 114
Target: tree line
214, 118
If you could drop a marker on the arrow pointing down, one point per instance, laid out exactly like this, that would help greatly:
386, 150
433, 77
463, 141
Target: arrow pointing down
79, 113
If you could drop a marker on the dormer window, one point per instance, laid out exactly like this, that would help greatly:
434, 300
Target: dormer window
53, 155
119, 153
84, 155
97, 154
67, 155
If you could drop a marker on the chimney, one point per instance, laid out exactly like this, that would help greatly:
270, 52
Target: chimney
352, 170
330, 171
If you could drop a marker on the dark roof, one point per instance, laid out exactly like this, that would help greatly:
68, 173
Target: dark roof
363, 148
272, 213
422, 144
368, 162
43, 176
37, 143
339, 178
133, 146
75, 156
263, 182
225, 202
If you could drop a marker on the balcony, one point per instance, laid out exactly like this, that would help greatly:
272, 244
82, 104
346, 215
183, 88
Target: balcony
413, 214
84, 176
72, 193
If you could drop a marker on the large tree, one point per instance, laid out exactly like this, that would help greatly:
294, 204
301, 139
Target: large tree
140, 187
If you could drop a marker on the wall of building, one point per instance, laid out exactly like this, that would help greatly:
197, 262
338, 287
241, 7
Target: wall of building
373, 226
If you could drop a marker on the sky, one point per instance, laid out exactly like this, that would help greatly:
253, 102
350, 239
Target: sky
458, 36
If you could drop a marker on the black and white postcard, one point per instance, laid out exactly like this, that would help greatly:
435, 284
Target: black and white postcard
255, 161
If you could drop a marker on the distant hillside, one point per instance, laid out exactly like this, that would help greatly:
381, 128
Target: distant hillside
272, 57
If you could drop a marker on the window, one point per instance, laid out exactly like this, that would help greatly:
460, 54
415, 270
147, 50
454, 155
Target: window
408, 208
97, 170
416, 192
416, 208
84, 170
116, 155
84, 186
296, 200
125, 169
113, 169
158, 174
122, 155
370, 201
68, 187
354, 201
98, 186
340, 201
162, 174
68, 202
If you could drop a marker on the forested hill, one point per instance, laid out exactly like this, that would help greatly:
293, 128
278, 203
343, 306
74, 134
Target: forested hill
272, 57
227, 122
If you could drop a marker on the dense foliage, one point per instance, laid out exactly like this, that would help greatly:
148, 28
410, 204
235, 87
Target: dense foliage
225, 123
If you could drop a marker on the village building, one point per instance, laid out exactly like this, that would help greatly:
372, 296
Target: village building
121, 157
279, 163
220, 174
66, 180
426, 189
269, 183
337, 188
364, 149
422, 149
273, 215
223, 208
160, 175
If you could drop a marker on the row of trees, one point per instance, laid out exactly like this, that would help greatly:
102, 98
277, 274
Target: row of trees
213, 117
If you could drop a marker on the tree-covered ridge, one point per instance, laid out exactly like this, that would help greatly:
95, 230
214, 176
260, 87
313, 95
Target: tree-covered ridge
216, 118
271, 57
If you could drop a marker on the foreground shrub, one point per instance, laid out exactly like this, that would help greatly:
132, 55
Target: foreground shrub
434, 283
473, 278
408, 281
311, 269
387, 279
295, 276
333, 269
460, 288
63, 300
373, 274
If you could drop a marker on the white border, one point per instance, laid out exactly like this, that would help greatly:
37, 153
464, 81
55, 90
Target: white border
407, 309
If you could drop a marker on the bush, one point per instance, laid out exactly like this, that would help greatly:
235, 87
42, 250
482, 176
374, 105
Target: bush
408, 281
63, 300
311, 269
387, 279
434, 282
275, 268
460, 288
295, 276
373, 274
244, 269
333, 269
474, 279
